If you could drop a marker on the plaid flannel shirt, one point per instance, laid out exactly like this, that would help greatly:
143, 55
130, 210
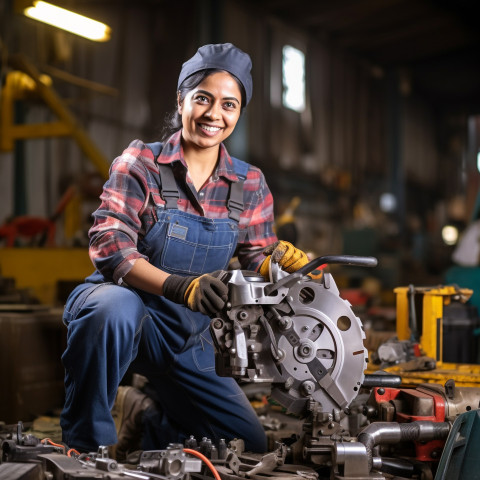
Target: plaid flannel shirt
127, 211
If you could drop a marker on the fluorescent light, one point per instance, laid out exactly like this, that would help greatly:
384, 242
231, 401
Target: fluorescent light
70, 21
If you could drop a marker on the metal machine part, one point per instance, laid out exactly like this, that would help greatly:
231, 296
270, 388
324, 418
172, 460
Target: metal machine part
172, 463
46, 462
303, 339
394, 351
200, 460
300, 339
458, 400
426, 402
435, 404
393, 433
297, 334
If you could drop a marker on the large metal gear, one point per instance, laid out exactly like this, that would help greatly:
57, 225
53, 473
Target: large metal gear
295, 333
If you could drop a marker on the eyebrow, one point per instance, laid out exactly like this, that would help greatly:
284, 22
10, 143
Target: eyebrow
205, 92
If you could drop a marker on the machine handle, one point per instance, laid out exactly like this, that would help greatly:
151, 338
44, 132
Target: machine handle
382, 380
338, 259
309, 267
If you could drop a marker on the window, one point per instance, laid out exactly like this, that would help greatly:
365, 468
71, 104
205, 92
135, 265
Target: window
293, 77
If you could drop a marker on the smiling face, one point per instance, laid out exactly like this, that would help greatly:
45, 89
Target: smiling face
210, 111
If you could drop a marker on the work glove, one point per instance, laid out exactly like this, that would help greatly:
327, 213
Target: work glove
206, 293
288, 257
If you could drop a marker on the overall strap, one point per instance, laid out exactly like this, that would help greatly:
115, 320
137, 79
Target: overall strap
235, 196
169, 190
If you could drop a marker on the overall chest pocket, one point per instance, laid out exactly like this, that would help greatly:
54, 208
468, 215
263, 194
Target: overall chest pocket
198, 247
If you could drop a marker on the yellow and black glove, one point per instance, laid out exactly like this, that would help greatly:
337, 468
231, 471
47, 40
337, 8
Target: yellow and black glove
206, 294
288, 257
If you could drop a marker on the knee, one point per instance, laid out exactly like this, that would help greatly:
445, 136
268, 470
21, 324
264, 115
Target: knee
114, 309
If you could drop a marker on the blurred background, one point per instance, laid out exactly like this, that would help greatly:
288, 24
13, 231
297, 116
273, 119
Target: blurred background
365, 119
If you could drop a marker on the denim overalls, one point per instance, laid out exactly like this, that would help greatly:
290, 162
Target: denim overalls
111, 328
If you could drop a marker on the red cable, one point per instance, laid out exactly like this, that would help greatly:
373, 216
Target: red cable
206, 460
48, 440
69, 453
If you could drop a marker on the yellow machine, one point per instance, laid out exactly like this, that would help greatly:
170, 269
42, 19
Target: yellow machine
427, 304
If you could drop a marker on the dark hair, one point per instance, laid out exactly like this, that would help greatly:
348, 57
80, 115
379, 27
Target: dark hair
173, 120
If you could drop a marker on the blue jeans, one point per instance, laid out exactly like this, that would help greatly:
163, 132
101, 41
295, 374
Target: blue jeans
112, 327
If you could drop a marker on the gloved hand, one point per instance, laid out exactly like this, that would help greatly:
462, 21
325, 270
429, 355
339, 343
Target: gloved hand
206, 294
287, 256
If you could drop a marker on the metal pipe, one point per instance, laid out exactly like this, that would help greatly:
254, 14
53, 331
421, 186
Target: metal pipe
389, 432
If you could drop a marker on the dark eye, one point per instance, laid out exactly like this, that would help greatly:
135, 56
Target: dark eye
230, 105
202, 98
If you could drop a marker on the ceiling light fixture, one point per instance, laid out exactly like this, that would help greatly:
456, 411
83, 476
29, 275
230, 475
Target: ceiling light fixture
70, 21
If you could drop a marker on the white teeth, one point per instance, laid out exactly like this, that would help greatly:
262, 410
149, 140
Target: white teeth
210, 129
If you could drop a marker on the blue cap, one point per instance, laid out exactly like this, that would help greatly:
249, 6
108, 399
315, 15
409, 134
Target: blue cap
223, 56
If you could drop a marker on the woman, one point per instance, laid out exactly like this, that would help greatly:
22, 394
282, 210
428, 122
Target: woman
171, 213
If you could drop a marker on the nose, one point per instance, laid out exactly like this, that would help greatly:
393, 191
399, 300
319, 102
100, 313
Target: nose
213, 112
